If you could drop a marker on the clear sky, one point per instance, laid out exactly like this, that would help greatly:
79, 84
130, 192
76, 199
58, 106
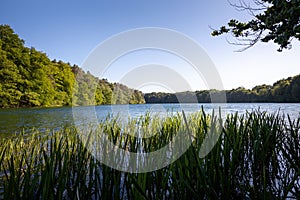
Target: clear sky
69, 30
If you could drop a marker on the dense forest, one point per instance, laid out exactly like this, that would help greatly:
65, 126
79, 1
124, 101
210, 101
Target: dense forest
28, 78
285, 90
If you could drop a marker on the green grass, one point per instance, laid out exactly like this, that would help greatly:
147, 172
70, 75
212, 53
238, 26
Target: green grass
256, 157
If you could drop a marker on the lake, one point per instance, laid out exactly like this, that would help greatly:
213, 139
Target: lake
15, 120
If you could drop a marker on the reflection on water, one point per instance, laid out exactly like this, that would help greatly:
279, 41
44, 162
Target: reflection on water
15, 120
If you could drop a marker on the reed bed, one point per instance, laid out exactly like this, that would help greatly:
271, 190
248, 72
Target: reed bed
257, 156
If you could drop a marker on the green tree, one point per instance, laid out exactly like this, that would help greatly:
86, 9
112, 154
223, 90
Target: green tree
295, 89
28, 78
280, 90
41, 84
9, 80
64, 79
273, 20
262, 93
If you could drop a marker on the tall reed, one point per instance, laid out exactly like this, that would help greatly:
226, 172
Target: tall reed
257, 156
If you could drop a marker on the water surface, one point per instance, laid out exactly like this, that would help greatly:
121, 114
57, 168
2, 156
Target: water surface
16, 120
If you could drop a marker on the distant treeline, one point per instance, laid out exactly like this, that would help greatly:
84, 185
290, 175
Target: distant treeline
28, 78
285, 90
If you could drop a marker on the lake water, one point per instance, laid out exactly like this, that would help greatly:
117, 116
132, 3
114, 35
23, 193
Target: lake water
15, 120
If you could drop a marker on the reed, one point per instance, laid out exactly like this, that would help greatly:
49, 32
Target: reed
257, 156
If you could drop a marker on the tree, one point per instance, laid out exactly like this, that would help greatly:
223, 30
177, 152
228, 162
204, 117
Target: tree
285, 90
273, 20
28, 78
295, 88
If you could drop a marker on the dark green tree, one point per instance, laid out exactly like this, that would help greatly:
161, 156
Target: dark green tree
295, 89
285, 90
273, 20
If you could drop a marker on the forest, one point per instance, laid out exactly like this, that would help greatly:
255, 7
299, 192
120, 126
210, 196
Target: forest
282, 91
28, 78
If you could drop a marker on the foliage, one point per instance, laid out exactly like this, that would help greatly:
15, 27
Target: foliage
273, 20
285, 90
28, 78
256, 157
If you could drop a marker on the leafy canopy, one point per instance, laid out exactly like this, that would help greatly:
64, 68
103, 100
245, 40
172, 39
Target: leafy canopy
28, 78
273, 20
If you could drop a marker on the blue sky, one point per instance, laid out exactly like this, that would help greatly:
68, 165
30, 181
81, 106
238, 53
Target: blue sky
69, 30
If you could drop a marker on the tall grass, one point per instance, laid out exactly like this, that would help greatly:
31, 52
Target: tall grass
256, 157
